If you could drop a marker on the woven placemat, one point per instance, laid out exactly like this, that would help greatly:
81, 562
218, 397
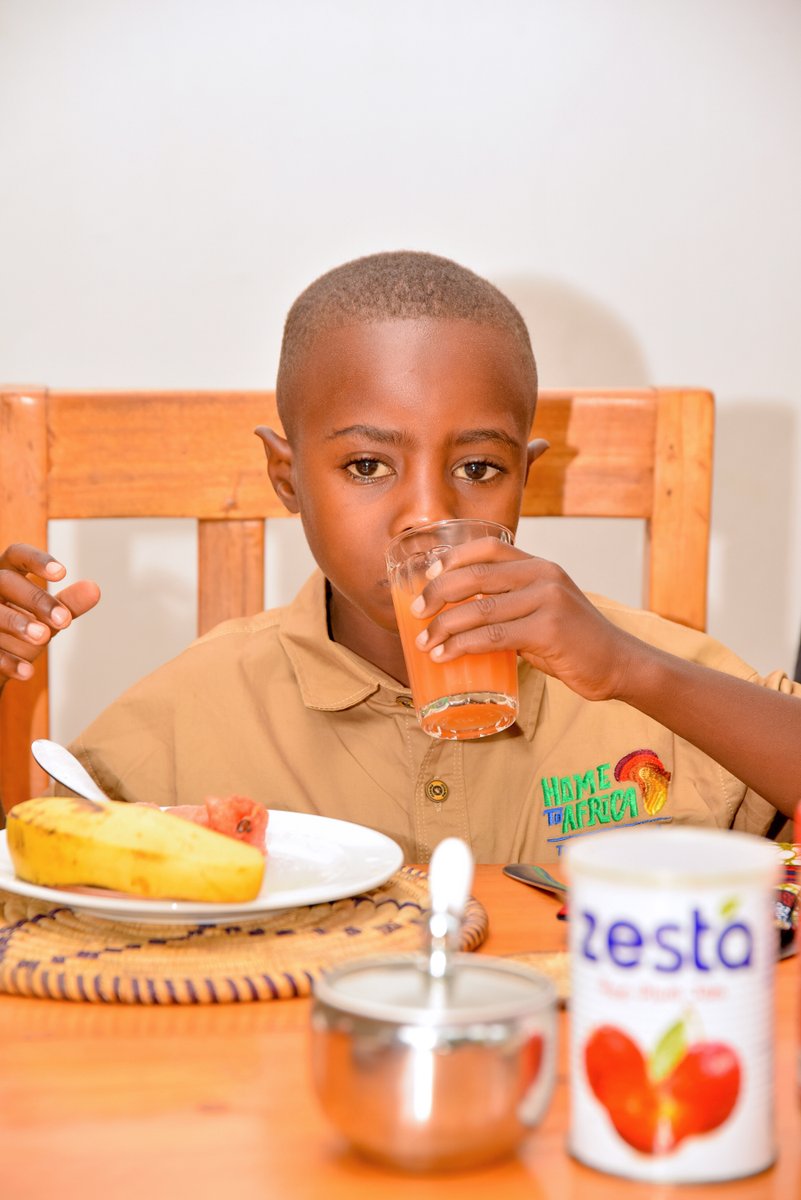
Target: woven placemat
553, 963
65, 954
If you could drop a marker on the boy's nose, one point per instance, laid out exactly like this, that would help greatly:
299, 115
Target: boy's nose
424, 508
423, 519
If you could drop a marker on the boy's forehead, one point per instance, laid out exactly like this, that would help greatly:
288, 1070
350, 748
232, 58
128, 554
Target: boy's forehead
402, 358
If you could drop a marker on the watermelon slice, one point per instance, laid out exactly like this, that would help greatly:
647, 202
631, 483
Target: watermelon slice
236, 816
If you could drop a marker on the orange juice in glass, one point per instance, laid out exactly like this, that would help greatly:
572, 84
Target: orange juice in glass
476, 694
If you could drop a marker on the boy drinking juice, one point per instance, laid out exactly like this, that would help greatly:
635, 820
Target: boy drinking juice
407, 387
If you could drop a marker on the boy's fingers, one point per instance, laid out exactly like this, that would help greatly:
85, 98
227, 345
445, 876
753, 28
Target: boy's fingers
22, 593
56, 611
30, 615
22, 638
31, 561
486, 549
461, 581
79, 597
482, 640
486, 620
12, 667
20, 625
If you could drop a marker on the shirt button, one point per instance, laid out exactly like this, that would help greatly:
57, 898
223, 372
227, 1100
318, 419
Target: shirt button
406, 701
437, 790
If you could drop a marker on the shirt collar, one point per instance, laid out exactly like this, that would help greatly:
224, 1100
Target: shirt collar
332, 678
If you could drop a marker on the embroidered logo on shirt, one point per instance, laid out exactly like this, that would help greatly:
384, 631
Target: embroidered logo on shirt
580, 801
647, 769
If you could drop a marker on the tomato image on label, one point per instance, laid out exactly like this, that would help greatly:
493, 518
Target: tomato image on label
678, 1091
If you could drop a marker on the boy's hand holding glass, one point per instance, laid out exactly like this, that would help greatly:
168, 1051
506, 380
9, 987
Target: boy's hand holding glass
491, 596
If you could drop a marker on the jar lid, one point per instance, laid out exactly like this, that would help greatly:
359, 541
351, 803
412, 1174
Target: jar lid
400, 989
671, 856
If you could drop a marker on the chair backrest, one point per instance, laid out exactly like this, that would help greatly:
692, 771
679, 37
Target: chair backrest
644, 454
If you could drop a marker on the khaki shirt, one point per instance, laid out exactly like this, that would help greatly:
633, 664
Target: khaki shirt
271, 708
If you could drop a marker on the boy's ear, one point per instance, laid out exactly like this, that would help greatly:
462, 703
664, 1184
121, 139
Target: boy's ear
279, 466
534, 450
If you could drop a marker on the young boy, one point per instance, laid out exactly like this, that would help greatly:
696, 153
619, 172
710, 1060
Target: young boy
406, 388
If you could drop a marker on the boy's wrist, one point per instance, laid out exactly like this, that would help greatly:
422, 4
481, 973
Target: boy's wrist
644, 674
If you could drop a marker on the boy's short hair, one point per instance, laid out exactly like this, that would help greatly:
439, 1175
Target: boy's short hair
395, 285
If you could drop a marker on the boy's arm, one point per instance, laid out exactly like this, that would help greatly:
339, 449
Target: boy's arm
533, 607
30, 616
754, 732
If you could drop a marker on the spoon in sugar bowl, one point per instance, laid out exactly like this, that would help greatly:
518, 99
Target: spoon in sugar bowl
436, 1060
449, 879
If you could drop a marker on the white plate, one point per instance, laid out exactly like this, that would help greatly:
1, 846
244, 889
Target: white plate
309, 860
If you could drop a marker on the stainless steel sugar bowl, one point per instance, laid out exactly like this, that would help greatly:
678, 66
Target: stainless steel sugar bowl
427, 1073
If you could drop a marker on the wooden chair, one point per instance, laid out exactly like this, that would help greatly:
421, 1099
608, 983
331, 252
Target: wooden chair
643, 454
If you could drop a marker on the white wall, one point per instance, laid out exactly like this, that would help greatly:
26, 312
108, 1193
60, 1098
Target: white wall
175, 171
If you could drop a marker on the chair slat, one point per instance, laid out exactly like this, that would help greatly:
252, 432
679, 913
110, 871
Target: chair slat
23, 518
230, 571
677, 549
178, 455
601, 461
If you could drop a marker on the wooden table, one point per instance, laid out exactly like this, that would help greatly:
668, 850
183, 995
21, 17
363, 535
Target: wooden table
193, 1103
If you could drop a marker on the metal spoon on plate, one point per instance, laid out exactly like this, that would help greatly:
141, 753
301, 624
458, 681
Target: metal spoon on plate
64, 767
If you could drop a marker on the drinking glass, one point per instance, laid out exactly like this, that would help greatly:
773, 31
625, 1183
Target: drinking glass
475, 694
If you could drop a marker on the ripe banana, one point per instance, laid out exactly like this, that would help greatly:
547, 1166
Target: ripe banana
61, 841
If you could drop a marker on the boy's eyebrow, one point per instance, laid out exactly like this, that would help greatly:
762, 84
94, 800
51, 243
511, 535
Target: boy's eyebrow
373, 433
468, 437
399, 437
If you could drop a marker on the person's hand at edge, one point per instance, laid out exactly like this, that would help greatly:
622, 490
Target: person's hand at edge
31, 616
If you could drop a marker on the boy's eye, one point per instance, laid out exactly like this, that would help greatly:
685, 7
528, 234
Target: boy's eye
367, 468
478, 471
